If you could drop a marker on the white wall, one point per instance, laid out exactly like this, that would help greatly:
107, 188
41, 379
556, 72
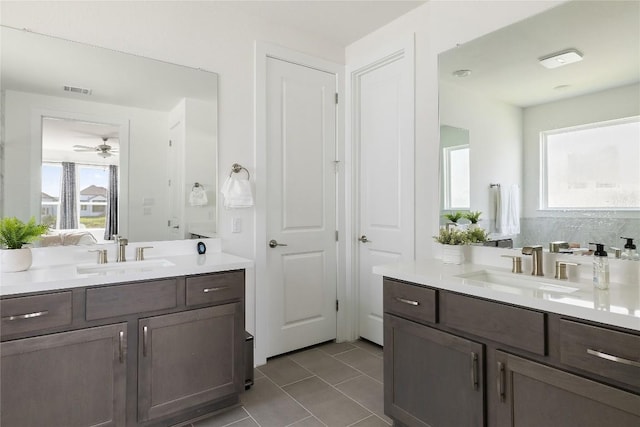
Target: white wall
147, 128
495, 141
610, 104
439, 26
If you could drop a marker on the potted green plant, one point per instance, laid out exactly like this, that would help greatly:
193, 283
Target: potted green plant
473, 217
453, 240
453, 217
14, 234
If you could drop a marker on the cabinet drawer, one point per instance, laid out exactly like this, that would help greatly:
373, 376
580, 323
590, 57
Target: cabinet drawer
409, 301
601, 351
28, 314
514, 326
119, 300
212, 288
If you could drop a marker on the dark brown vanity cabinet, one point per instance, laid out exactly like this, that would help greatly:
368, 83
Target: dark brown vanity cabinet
534, 394
146, 353
532, 368
71, 379
431, 378
189, 358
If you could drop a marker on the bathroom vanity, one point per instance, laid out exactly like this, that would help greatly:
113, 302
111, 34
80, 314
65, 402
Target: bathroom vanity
462, 352
152, 347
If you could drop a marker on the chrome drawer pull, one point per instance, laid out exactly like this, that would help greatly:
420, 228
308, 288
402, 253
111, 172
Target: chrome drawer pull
474, 370
145, 332
27, 316
220, 288
613, 358
407, 301
121, 345
501, 381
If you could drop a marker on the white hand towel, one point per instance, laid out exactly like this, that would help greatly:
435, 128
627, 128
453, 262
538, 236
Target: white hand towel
237, 192
198, 197
512, 223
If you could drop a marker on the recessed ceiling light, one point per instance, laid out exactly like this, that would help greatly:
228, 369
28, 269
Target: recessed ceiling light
559, 59
462, 73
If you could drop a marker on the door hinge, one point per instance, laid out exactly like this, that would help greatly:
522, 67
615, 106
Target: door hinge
168, 223
336, 97
336, 166
169, 183
170, 143
336, 235
337, 305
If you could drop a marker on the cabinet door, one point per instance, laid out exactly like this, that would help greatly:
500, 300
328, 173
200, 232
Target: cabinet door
69, 379
531, 394
431, 378
189, 358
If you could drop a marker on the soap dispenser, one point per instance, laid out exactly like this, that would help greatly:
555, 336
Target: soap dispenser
630, 252
600, 267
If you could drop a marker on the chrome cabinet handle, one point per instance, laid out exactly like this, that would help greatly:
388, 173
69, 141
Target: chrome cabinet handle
26, 316
364, 239
121, 345
501, 381
219, 288
407, 301
273, 243
145, 332
613, 358
474, 370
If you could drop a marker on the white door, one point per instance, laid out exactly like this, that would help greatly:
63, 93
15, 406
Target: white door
384, 135
174, 182
301, 206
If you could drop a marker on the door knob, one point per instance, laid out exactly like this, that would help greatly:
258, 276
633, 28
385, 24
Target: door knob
364, 239
273, 243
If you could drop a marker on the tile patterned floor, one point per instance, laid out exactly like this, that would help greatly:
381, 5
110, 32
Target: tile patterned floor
334, 385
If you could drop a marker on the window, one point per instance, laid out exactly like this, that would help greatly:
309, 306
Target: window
591, 167
91, 194
456, 177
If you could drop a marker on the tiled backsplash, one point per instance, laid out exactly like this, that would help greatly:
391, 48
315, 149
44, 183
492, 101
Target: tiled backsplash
541, 231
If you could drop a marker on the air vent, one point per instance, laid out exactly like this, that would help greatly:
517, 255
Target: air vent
80, 90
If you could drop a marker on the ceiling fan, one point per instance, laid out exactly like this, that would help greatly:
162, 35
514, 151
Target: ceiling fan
103, 150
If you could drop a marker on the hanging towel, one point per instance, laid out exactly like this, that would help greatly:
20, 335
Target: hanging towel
237, 192
198, 196
512, 223
507, 204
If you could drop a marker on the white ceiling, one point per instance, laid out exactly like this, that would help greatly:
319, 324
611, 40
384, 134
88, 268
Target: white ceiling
340, 21
505, 64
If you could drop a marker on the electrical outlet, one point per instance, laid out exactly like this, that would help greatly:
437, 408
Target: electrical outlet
236, 225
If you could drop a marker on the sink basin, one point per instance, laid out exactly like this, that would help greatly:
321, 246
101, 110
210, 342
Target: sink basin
516, 283
123, 267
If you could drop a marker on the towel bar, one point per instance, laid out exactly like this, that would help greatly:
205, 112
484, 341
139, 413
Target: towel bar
494, 185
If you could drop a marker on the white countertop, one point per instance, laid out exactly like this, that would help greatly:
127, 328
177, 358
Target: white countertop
62, 274
617, 306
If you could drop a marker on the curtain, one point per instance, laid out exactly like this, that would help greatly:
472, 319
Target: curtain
111, 226
68, 203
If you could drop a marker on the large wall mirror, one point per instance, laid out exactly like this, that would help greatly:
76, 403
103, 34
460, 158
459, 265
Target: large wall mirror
128, 137
561, 145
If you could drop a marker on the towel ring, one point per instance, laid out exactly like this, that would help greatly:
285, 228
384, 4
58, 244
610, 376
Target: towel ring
494, 185
236, 168
197, 185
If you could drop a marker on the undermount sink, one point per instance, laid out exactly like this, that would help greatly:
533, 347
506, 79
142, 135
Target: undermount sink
123, 267
516, 283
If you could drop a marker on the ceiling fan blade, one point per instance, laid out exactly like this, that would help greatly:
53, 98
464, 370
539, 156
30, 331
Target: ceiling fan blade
83, 148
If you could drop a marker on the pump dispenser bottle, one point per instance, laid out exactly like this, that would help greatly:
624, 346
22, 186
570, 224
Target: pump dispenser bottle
600, 267
630, 252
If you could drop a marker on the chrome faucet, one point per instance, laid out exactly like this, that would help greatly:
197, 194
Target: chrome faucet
536, 251
122, 244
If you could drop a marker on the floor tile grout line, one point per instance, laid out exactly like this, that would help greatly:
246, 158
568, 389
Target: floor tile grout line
361, 372
365, 418
298, 402
238, 420
297, 381
347, 396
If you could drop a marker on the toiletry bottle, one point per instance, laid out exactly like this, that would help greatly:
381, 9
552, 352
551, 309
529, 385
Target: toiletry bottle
630, 252
600, 267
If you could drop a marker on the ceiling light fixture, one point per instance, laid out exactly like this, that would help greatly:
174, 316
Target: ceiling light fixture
462, 73
559, 59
